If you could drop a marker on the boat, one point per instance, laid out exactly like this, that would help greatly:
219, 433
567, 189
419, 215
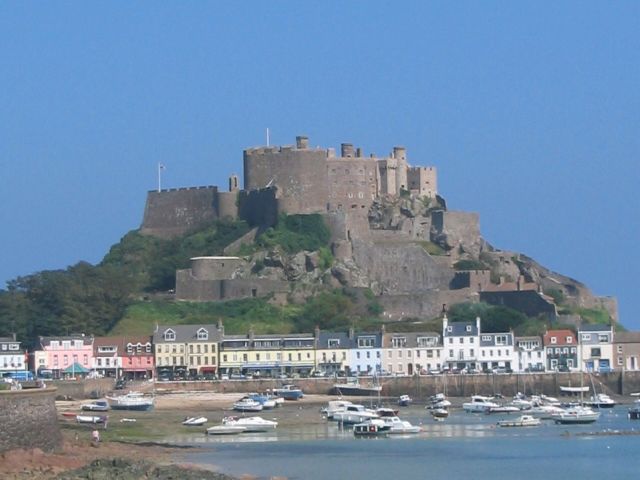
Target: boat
91, 419
545, 412
439, 413
355, 388
600, 400
194, 421
404, 401
131, 401
574, 390
386, 412
503, 409
399, 426
353, 414
250, 424
267, 401
247, 405
334, 406
521, 402
576, 415
438, 401
225, 430
289, 392
479, 404
97, 406
371, 428
634, 412
521, 421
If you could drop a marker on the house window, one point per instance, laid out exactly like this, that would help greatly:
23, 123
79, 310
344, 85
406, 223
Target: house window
358, 355
468, 328
449, 329
333, 343
603, 338
398, 342
619, 348
585, 337
486, 338
203, 334
554, 340
569, 339
619, 361
169, 335
595, 352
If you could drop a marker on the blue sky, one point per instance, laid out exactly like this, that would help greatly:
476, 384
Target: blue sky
529, 110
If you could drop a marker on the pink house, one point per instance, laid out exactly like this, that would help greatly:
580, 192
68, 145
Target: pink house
137, 358
70, 356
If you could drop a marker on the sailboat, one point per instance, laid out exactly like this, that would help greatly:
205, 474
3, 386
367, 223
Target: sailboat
578, 414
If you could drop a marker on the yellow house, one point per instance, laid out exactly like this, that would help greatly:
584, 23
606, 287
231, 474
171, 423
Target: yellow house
186, 351
267, 355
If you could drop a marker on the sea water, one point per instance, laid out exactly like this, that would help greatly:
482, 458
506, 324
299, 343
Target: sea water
463, 446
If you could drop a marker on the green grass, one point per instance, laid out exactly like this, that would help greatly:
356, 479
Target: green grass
432, 248
238, 316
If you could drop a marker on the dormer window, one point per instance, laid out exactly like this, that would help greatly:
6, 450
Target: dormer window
169, 335
129, 348
203, 334
148, 348
569, 339
468, 328
333, 343
554, 340
449, 329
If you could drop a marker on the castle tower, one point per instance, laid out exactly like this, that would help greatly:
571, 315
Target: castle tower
234, 184
400, 154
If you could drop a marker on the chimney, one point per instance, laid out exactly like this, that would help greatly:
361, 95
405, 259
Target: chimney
302, 142
346, 150
478, 324
445, 324
220, 327
358, 152
316, 332
351, 332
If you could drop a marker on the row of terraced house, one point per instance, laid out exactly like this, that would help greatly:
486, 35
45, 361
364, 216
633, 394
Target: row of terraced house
188, 351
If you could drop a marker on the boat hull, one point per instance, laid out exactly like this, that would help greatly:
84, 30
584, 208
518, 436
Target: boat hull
356, 391
137, 408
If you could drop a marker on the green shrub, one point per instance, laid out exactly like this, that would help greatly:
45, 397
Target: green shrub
295, 233
470, 265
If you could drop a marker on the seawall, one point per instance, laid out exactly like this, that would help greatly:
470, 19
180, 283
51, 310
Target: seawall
28, 419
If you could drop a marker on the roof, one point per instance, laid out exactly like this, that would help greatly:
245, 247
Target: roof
8, 340
412, 338
627, 337
76, 368
459, 329
561, 335
342, 337
187, 333
86, 339
595, 327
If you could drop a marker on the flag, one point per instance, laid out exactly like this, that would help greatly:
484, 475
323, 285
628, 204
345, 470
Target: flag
161, 166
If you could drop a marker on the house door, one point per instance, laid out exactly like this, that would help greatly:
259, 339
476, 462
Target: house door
410, 369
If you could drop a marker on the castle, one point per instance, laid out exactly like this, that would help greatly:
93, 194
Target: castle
292, 180
385, 218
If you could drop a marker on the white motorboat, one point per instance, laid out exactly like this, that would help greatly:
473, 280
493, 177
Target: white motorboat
399, 426
91, 419
225, 430
247, 405
96, 406
479, 404
439, 413
503, 409
404, 400
194, 421
371, 428
601, 400
334, 406
522, 421
386, 412
438, 401
545, 412
353, 414
576, 415
250, 424
131, 401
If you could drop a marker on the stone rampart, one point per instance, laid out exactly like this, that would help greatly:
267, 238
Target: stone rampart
174, 212
28, 419
422, 387
227, 205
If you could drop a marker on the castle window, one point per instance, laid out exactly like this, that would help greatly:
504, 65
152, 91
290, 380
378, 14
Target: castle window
360, 195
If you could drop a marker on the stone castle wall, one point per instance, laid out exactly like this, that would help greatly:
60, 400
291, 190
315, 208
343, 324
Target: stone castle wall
174, 212
28, 419
259, 207
400, 268
300, 175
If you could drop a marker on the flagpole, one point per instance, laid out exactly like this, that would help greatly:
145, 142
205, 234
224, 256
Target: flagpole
160, 167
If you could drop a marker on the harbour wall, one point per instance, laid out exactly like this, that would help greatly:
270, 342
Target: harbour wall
422, 387
25, 415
